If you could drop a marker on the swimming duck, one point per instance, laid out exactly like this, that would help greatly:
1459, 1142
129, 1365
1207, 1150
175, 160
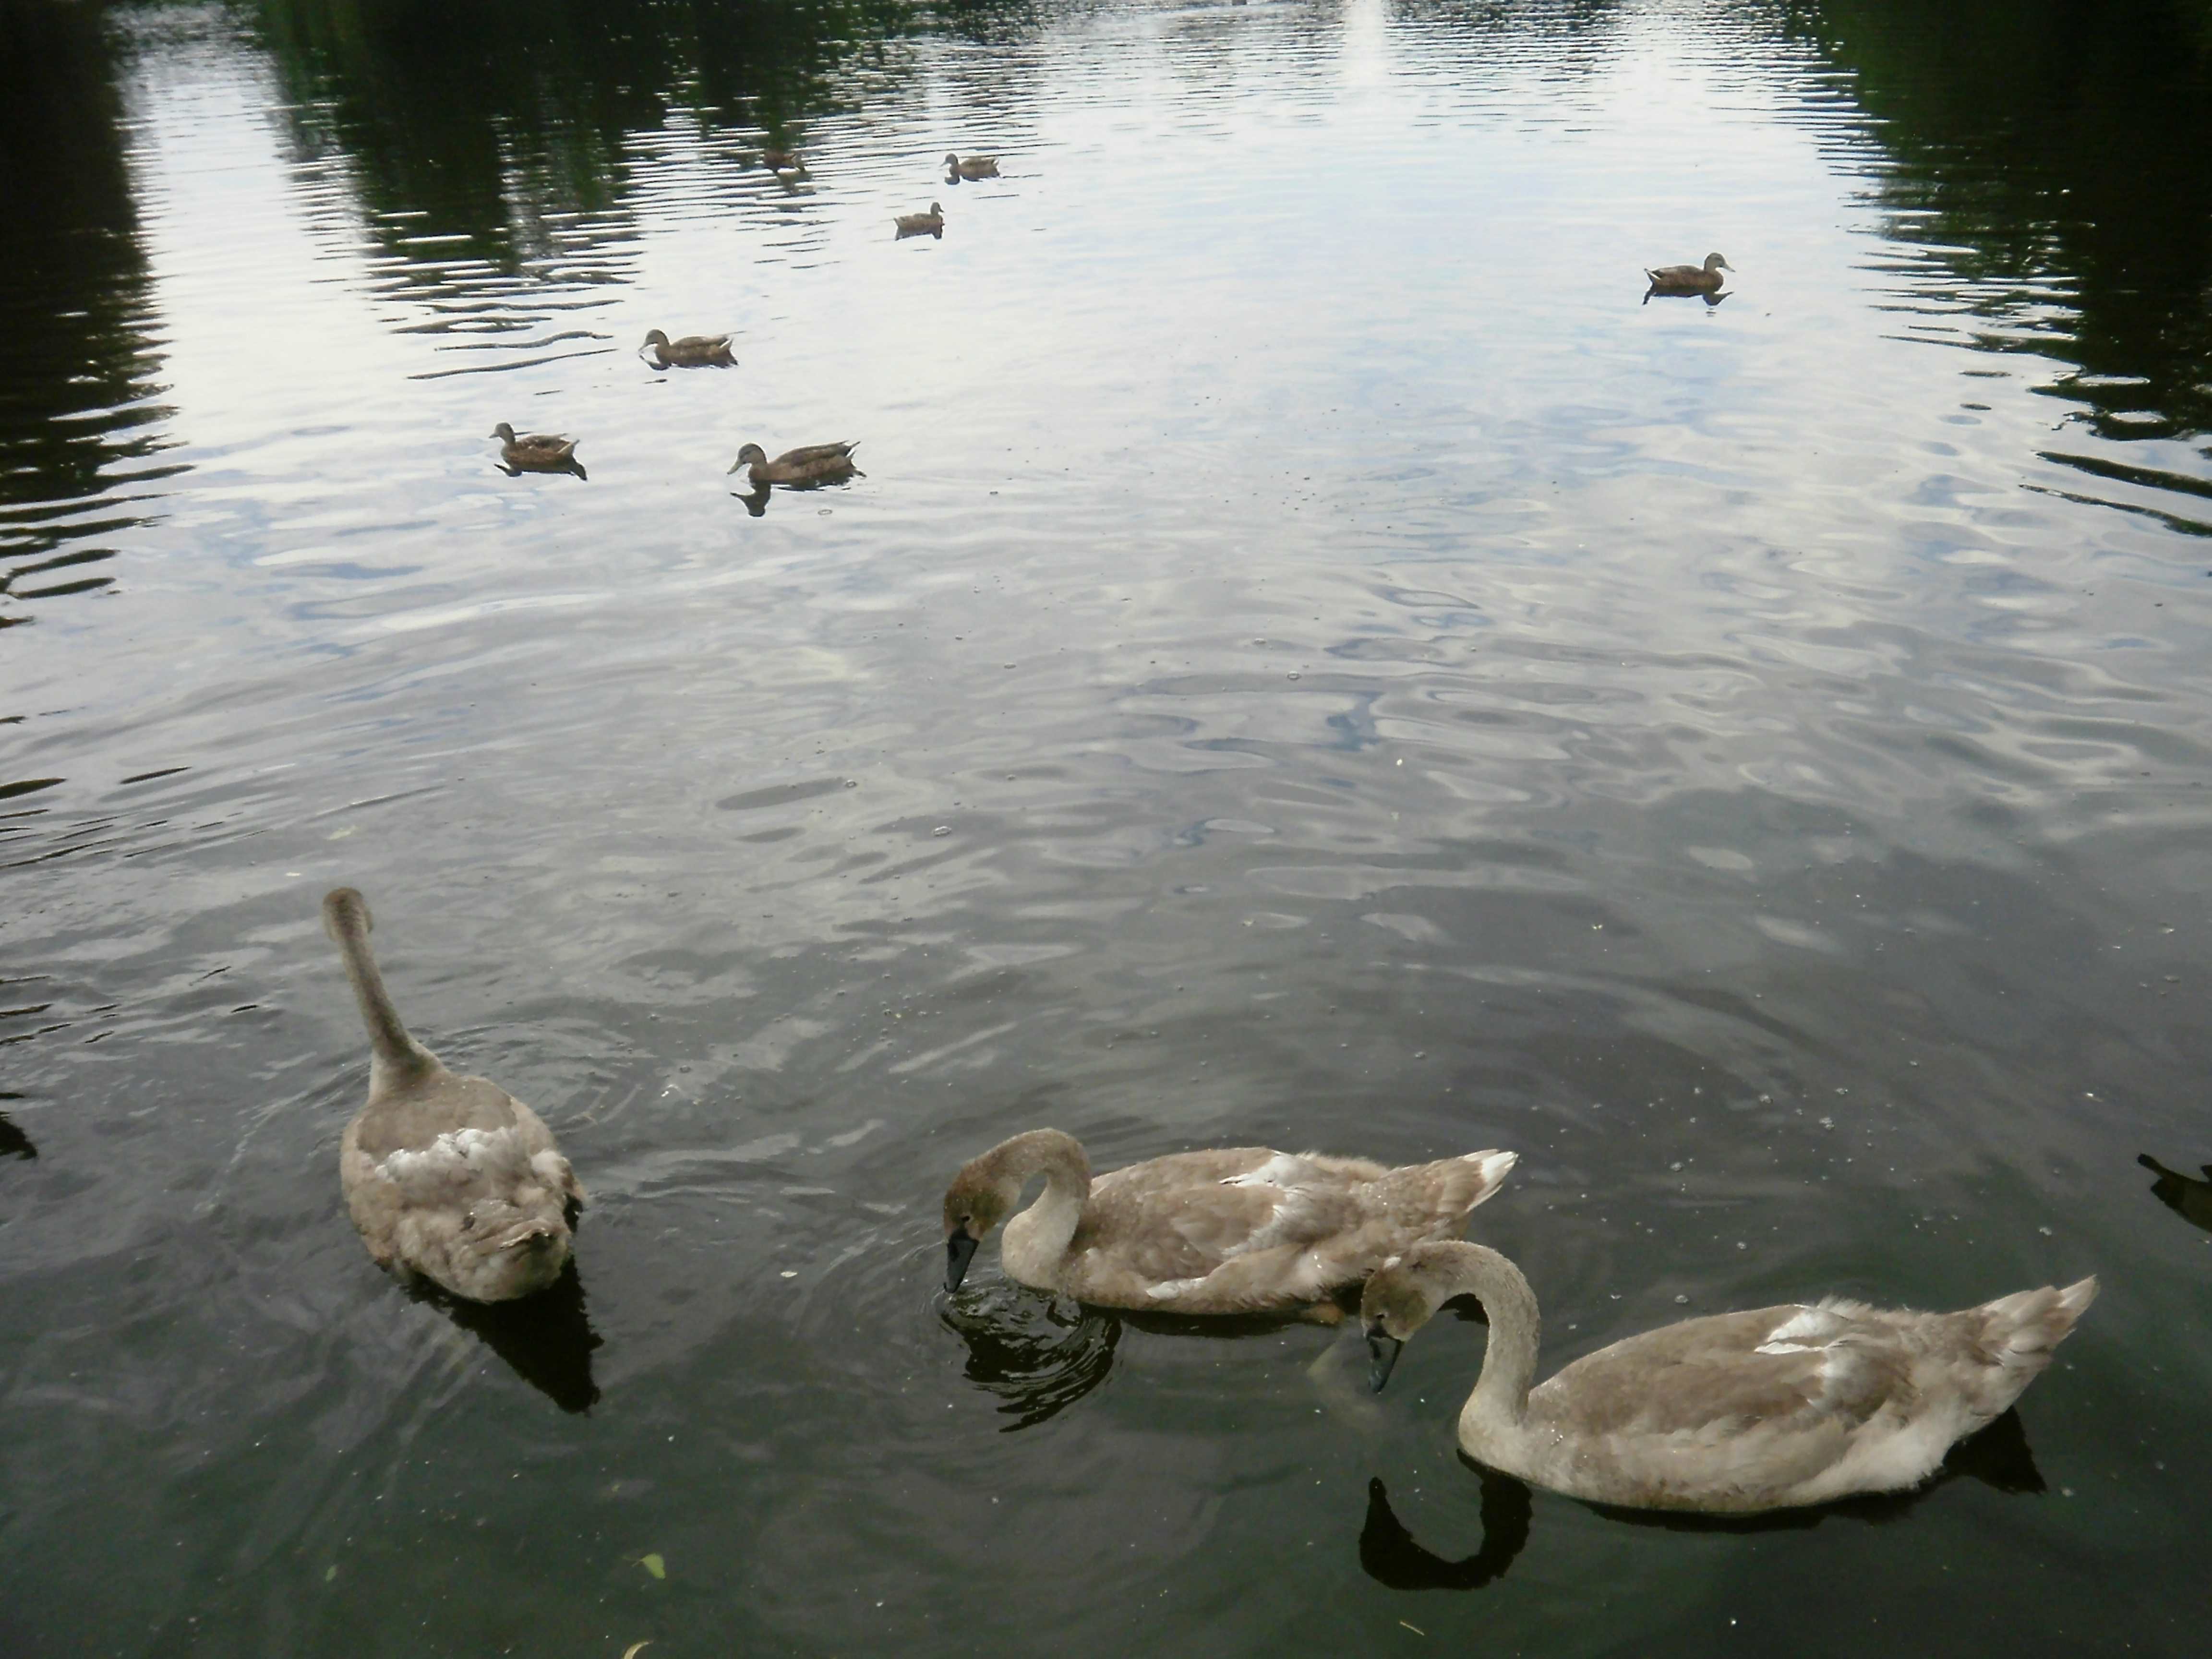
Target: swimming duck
1242, 1230
1728, 1414
931, 223
692, 351
781, 160
450, 1178
813, 464
1689, 279
975, 167
536, 452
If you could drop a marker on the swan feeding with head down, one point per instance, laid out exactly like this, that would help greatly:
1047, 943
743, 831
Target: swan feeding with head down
1240, 1230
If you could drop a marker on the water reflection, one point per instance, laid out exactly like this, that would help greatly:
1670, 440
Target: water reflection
547, 1339
79, 410
2185, 1195
2049, 160
1389, 1555
1039, 1354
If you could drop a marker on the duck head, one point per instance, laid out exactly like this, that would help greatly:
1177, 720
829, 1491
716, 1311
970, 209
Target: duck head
1714, 262
503, 432
748, 456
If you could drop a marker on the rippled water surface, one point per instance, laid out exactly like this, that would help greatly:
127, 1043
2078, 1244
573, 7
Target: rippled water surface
1313, 660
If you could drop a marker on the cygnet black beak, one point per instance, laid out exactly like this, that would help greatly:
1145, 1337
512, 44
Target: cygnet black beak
1382, 1353
959, 1251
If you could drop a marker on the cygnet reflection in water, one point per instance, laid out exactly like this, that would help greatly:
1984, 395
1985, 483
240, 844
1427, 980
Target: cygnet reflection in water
1039, 1354
1389, 1555
547, 1339
2185, 1195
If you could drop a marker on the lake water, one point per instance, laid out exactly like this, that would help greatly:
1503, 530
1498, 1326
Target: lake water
1314, 659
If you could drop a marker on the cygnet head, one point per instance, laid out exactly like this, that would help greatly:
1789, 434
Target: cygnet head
344, 907
748, 455
508, 1250
1396, 1303
977, 1201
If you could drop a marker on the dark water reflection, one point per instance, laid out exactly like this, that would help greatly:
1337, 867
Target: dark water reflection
1313, 660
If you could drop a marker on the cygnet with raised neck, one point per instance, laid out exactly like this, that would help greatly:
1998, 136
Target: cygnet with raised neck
1732, 1413
449, 1178
1241, 1230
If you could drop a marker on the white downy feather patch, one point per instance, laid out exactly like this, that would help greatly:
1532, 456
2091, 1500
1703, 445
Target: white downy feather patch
1817, 1323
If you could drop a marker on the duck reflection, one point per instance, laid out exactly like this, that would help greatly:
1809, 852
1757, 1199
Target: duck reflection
2185, 1195
1389, 1555
1999, 1456
14, 1143
547, 1339
1039, 1354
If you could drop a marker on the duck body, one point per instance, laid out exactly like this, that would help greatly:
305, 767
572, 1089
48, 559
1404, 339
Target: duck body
1735, 1414
975, 167
931, 223
692, 351
536, 452
1689, 279
448, 1178
1240, 1230
811, 464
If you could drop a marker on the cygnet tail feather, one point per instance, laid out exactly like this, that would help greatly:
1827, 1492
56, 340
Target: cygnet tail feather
1445, 1191
2020, 1332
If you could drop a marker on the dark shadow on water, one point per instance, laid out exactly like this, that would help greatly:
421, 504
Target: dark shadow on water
2185, 1195
14, 1143
546, 1339
1389, 1555
1999, 1456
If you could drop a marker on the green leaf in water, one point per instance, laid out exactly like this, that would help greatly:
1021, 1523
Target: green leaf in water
654, 1564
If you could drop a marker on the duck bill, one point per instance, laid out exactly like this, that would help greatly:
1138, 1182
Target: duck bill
959, 1251
1382, 1354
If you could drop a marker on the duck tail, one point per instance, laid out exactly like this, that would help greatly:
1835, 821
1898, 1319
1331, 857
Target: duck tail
1447, 1190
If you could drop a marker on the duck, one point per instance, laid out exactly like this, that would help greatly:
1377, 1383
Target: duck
931, 223
536, 452
1730, 1414
1236, 1230
975, 167
1689, 279
692, 351
781, 160
812, 464
449, 1178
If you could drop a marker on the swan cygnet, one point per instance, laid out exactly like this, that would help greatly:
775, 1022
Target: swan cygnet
1728, 1414
1242, 1230
449, 1178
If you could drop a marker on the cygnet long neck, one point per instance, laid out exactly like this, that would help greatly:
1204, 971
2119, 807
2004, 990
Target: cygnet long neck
1039, 1236
394, 1055
1509, 1362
